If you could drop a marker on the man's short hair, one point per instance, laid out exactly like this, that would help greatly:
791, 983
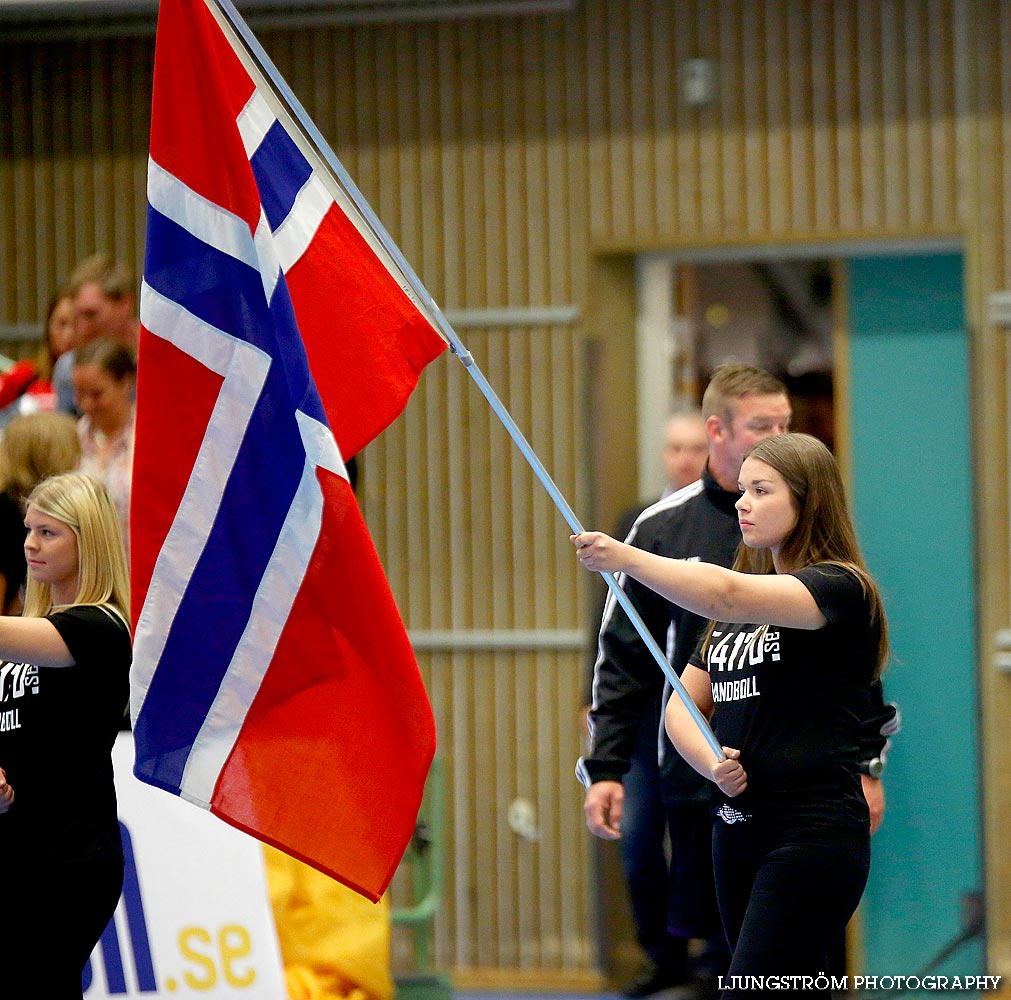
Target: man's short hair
732, 382
112, 276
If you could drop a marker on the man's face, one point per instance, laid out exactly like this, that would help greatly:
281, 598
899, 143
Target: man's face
685, 448
752, 418
98, 315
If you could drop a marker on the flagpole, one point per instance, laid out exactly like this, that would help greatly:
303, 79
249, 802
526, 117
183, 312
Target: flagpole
417, 290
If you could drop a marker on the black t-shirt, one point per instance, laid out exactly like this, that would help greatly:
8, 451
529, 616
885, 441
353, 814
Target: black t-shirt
790, 700
57, 728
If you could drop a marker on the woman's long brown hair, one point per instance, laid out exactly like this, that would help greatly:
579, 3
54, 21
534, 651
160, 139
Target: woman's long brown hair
824, 532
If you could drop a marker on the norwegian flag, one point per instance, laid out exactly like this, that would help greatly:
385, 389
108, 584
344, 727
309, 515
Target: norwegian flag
273, 680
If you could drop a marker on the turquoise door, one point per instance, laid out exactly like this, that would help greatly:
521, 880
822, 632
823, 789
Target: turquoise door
912, 480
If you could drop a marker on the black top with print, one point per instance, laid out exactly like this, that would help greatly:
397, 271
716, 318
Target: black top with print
57, 728
791, 701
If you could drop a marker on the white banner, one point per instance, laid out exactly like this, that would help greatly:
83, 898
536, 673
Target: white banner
194, 919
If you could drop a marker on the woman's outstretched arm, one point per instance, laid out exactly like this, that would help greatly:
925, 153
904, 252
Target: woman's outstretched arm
33, 640
707, 590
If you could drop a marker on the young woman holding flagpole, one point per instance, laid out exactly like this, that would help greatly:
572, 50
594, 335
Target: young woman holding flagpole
64, 684
797, 636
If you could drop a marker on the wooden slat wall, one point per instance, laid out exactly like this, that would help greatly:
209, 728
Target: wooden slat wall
506, 155
73, 159
830, 119
487, 551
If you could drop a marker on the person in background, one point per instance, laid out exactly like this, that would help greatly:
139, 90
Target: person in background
105, 301
685, 449
644, 840
64, 684
797, 637
742, 405
26, 385
104, 377
32, 448
61, 328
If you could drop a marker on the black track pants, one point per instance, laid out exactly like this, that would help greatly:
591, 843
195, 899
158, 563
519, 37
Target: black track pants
785, 895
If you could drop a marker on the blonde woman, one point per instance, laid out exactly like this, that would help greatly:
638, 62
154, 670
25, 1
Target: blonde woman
797, 637
64, 685
33, 447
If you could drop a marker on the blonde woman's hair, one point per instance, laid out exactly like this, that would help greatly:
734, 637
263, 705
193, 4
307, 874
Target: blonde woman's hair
84, 505
35, 446
824, 531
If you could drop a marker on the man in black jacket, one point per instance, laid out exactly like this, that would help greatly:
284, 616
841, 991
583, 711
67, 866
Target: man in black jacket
741, 406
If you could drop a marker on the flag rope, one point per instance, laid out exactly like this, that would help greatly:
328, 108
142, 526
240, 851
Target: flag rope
417, 289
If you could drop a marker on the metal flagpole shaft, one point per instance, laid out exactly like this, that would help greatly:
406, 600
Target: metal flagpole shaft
609, 578
417, 290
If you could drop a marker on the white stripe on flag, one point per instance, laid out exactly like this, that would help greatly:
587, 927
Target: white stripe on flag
270, 269
260, 121
293, 236
244, 368
320, 447
214, 225
271, 607
254, 121
206, 221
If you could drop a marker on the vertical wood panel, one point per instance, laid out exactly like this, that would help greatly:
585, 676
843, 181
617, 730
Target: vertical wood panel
641, 167
798, 84
404, 142
686, 46
756, 170
869, 73
942, 88
664, 97
915, 115
563, 183
42, 194
447, 224
570, 283
10, 72
893, 108
780, 181
845, 59
141, 56
710, 148
731, 129
825, 179
617, 84
516, 219
23, 190
533, 173
100, 173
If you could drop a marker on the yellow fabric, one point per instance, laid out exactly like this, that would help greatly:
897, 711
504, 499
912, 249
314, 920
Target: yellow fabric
335, 944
